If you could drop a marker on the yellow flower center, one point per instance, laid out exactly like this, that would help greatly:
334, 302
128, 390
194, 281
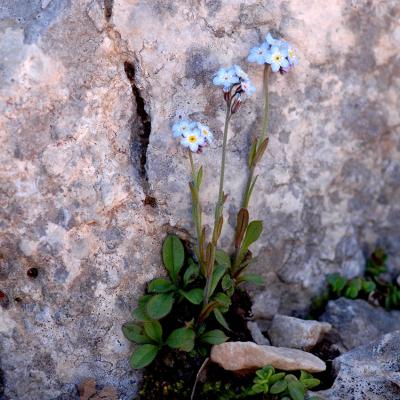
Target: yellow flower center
205, 132
291, 53
192, 139
277, 58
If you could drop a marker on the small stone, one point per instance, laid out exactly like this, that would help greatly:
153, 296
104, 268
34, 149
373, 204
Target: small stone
236, 356
256, 333
296, 333
356, 322
368, 372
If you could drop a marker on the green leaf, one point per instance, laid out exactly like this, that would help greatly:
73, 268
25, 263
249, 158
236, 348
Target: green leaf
311, 382
354, 287
143, 356
139, 312
305, 375
296, 390
242, 222
191, 273
159, 305
223, 301
173, 255
134, 333
199, 178
215, 336
368, 286
223, 258
160, 285
218, 273
226, 282
276, 377
337, 282
144, 299
195, 296
181, 338
251, 278
253, 232
252, 153
291, 378
153, 330
260, 388
220, 318
266, 372
261, 150
278, 387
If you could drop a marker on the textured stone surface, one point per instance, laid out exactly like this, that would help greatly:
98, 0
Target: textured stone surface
329, 185
71, 202
369, 372
296, 333
77, 174
236, 356
356, 322
256, 333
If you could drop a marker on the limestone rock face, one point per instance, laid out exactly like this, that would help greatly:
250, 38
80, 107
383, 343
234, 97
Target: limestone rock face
91, 177
296, 333
369, 372
356, 322
236, 356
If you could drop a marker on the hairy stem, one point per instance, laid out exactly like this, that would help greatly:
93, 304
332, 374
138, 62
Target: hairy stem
263, 136
218, 208
196, 209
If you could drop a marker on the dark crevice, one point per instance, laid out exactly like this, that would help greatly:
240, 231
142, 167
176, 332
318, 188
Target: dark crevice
140, 134
108, 8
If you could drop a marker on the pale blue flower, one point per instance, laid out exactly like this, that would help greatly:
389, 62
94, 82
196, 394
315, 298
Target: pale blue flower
226, 78
180, 127
240, 73
205, 132
291, 55
258, 54
271, 41
193, 140
248, 87
277, 58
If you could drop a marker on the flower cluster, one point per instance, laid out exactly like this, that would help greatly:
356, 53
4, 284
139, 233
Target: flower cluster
193, 135
278, 53
234, 77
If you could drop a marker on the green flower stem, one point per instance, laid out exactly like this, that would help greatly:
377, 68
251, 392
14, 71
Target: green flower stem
263, 136
196, 210
267, 70
218, 207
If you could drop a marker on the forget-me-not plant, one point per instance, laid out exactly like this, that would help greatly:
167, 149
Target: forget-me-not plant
277, 53
258, 54
181, 127
226, 77
277, 58
193, 139
193, 135
211, 275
